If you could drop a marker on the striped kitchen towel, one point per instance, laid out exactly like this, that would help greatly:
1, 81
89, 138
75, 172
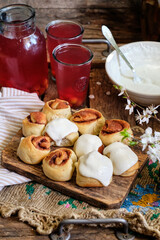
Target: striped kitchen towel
15, 105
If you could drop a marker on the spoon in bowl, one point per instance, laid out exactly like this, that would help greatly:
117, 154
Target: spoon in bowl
108, 35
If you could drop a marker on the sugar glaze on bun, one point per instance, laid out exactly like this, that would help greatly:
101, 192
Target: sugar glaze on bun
125, 161
87, 143
62, 132
94, 170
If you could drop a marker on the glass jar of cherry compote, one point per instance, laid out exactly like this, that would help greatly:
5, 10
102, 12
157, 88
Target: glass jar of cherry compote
23, 59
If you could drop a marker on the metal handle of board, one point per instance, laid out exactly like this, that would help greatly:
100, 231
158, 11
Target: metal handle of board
62, 235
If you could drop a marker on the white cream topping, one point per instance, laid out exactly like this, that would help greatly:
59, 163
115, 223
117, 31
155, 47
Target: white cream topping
121, 156
86, 143
145, 58
149, 74
59, 128
97, 166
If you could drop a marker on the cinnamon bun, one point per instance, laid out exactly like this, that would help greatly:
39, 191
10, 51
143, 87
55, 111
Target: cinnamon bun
125, 161
63, 133
33, 149
57, 109
34, 124
111, 131
59, 165
87, 143
94, 170
88, 120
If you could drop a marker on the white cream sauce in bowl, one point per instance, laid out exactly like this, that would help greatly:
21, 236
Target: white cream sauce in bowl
145, 58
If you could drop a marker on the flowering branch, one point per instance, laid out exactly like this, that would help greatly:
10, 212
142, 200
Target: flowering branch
147, 113
149, 139
146, 140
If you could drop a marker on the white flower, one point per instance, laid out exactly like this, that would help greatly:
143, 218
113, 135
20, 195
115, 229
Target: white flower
146, 116
139, 117
152, 109
122, 90
91, 96
157, 136
152, 156
146, 138
98, 83
148, 111
129, 107
154, 152
147, 133
108, 93
157, 146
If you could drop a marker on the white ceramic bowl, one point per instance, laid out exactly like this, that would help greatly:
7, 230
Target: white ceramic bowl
145, 58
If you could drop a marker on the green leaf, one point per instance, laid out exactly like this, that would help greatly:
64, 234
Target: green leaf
125, 134
133, 143
115, 86
152, 145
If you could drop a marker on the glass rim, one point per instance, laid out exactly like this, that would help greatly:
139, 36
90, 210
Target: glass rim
8, 7
59, 21
72, 44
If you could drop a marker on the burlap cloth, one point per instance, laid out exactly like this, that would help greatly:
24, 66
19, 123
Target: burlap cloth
44, 208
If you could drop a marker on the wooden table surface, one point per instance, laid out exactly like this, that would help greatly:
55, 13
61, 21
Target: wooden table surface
129, 21
107, 101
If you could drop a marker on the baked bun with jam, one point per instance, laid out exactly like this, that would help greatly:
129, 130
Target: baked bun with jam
88, 120
34, 124
111, 131
33, 149
57, 109
125, 161
59, 165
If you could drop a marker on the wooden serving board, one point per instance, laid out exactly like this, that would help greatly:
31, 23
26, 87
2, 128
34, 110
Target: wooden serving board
111, 196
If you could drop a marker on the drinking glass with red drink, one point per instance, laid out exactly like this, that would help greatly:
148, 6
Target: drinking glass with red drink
23, 58
62, 31
72, 64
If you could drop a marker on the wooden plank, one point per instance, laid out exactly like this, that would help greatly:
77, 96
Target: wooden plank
122, 19
13, 229
74, 4
124, 23
108, 197
150, 20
